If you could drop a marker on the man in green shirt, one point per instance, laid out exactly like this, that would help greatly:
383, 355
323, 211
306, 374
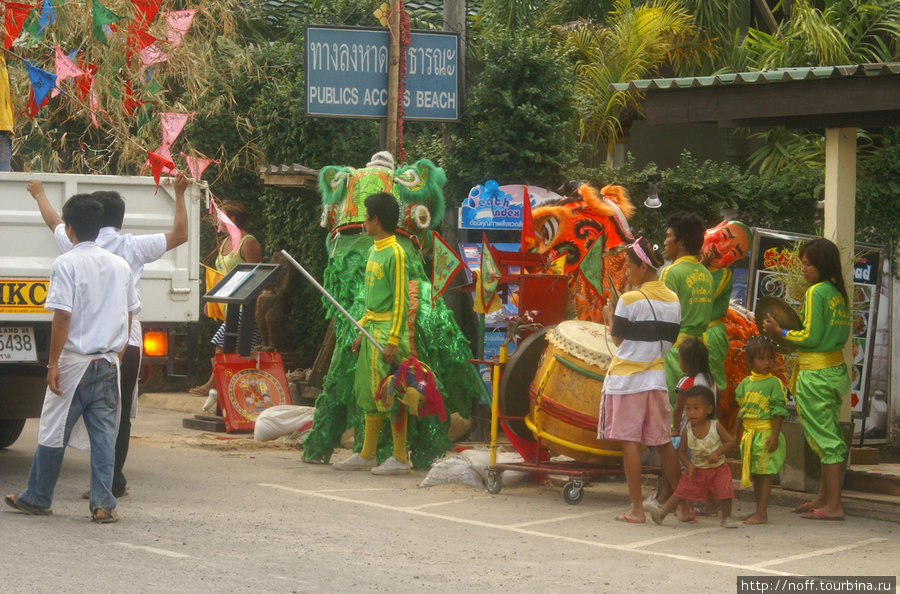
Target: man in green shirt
692, 282
387, 304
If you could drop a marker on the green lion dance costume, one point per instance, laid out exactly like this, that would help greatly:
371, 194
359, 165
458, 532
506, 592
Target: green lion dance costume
435, 339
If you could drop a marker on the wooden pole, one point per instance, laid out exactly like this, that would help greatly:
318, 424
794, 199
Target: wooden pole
393, 79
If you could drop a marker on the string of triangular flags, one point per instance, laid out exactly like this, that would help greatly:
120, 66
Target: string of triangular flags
46, 85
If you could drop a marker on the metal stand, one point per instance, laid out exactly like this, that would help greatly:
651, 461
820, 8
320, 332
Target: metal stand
239, 290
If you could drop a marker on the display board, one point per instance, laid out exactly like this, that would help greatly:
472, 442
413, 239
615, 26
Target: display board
775, 272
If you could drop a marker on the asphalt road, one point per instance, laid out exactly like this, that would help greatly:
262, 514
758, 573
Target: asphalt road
213, 518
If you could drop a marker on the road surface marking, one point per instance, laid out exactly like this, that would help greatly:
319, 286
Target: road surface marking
559, 519
650, 541
153, 550
817, 553
349, 489
439, 503
480, 524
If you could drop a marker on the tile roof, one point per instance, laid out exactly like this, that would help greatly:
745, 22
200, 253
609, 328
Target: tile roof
778, 75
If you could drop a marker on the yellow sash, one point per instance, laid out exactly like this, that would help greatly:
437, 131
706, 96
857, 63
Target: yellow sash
682, 337
751, 427
375, 316
809, 361
716, 322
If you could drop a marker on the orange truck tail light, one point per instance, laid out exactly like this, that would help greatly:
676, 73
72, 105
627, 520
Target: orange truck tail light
156, 343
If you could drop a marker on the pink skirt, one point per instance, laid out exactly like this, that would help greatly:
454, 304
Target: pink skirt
705, 481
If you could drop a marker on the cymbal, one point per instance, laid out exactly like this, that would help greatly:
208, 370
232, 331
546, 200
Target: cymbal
784, 314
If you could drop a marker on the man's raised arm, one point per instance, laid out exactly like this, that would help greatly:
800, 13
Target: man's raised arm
48, 213
179, 232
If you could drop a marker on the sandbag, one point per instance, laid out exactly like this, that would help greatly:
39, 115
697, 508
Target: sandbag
284, 419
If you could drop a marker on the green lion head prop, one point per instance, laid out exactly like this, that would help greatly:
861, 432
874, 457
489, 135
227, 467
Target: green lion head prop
417, 188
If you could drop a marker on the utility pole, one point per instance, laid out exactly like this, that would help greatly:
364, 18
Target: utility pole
393, 78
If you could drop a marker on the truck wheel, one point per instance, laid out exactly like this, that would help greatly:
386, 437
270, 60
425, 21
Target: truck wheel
10, 429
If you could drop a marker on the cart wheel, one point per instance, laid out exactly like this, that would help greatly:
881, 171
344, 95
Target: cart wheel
573, 492
494, 481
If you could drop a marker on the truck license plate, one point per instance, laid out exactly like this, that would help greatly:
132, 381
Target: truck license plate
17, 344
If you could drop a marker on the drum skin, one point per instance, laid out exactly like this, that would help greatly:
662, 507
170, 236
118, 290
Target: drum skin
565, 397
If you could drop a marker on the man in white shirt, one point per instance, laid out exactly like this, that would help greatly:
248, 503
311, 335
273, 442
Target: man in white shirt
92, 299
137, 250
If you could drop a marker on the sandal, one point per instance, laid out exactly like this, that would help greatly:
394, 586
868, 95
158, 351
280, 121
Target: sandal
803, 508
103, 516
26, 508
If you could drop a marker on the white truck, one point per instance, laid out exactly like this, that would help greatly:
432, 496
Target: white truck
170, 291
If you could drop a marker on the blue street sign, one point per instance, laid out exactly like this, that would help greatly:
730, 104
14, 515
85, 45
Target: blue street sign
347, 68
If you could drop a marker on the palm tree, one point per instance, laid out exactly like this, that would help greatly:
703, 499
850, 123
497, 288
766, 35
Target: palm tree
636, 43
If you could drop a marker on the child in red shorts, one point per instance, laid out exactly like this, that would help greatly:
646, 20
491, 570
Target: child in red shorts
705, 473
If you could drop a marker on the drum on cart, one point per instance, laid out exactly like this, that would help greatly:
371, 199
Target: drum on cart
566, 392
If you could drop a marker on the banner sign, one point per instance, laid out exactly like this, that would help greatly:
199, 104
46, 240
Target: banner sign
492, 206
347, 72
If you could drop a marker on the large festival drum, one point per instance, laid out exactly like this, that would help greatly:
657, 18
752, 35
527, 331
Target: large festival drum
566, 392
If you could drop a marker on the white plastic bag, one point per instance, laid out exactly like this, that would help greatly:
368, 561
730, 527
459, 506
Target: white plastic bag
284, 419
453, 469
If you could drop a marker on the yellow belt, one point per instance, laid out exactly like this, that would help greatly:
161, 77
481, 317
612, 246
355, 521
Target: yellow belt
716, 322
751, 427
376, 316
809, 361
682, 337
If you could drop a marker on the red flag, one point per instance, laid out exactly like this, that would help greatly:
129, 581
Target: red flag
86, 80
33, 108
528, 236
144, 12
13, 19
130, 103
137, 41
157, 164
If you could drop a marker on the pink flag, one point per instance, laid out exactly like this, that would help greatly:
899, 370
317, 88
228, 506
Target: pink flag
64, 69
153, 55
172, 124
95, 107
177, 24
196, 165
233, 232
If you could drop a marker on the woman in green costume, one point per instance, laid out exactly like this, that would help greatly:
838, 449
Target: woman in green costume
822, 380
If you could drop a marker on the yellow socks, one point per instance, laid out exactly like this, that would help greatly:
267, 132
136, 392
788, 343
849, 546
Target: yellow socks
399, 436
370, 441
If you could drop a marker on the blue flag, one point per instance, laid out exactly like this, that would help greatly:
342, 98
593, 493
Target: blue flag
42, 82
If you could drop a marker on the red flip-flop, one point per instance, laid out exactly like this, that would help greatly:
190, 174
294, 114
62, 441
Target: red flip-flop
803, 508
625, 518
815, 514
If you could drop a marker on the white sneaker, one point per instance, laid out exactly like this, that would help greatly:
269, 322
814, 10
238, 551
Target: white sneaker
392, 466
355, 462
655, 511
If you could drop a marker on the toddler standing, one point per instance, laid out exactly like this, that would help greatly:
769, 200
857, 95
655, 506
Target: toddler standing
762, 410
705, 472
